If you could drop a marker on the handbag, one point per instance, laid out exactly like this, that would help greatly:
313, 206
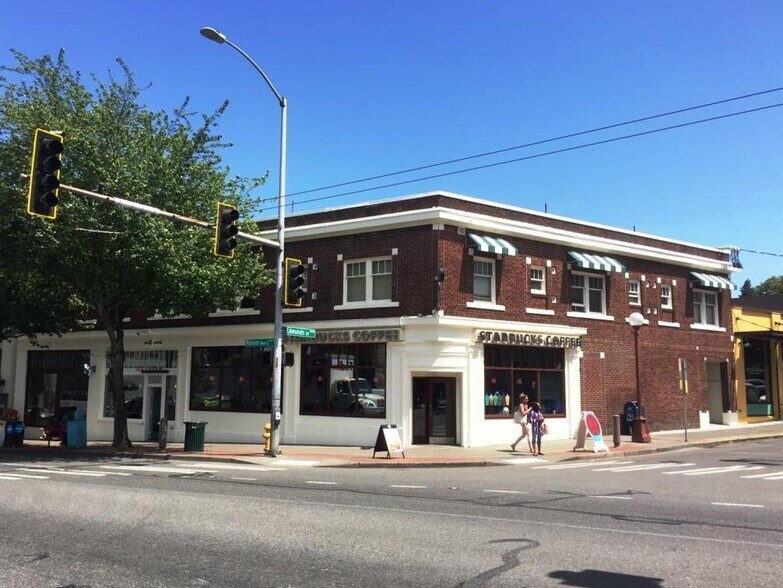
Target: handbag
517, 417
544, 429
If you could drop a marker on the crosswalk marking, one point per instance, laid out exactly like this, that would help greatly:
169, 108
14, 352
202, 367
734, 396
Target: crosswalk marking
738, 504
405, 486
62, 472
715, 470
31, 476
770, 475
321, 482
568, 466
523, 460
642, 467
144, 468
9, 478
506, 491
234, 466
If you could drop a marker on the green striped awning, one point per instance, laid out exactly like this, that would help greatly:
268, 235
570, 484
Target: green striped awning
487, 244
596, 262
712, 281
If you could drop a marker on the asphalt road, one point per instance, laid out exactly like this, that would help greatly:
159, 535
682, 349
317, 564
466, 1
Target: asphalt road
698, 517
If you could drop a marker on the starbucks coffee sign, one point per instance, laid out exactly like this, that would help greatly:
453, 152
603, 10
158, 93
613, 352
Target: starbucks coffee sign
526, 339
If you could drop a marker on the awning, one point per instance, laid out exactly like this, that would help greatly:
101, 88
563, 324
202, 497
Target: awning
596, 262
487, 244
712, 281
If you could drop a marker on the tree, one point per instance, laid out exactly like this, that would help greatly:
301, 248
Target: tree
97, 256
770, 286
746, 289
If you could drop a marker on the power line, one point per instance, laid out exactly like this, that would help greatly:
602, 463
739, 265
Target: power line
762, 252
535, 143
546, 153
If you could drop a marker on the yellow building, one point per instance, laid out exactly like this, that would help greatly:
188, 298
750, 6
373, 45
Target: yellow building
758, 357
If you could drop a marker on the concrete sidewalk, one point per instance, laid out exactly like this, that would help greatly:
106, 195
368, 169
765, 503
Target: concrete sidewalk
415, 456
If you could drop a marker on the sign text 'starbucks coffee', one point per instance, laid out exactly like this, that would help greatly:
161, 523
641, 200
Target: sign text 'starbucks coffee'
527, 339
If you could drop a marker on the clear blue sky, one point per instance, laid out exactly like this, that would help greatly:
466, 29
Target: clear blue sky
377, 87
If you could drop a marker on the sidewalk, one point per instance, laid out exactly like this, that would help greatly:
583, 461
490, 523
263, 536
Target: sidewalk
415, 456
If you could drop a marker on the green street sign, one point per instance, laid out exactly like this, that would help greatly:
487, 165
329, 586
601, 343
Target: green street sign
259, 342
299, 332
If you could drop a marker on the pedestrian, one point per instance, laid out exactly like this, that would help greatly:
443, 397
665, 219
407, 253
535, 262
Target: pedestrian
520, 416
536, 419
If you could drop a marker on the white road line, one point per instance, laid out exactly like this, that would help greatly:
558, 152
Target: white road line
28, 476
245, 479
9, 478
523, 460
295, 462
612, 497
736, 504
639, 468
715, 470
63, 472
405, 486
770, 475
506, 491
778, 477
158, 469
567, 466
321, 483
233, 466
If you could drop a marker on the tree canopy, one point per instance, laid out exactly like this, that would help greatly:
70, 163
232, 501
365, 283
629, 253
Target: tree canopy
770, 286
97, 256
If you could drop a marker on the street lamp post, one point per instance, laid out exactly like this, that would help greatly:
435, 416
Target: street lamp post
275, 411
640, 432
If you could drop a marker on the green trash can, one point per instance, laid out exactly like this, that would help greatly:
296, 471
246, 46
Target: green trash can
194, 436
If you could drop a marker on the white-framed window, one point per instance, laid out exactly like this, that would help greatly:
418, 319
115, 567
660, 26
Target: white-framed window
705, 308
537, 280
368, 280
587, 293
483, 280
634, 293
666, 297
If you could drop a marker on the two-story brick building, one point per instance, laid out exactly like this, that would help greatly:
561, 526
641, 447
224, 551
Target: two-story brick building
432, 312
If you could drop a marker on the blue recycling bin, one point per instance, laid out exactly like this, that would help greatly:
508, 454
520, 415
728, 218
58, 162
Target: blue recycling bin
77, 432
14, 434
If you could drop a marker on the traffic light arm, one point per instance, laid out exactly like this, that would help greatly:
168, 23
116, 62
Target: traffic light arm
169, 215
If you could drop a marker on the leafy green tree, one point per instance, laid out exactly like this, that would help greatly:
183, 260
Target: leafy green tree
770, 286
746, 289
96, 256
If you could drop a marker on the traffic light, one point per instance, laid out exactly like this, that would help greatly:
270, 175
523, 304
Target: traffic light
226, 230
45, 174
293, 288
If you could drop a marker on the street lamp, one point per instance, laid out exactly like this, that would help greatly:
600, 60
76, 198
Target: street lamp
274, 413
640, 432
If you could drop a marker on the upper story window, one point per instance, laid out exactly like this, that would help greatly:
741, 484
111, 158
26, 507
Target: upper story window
368, 280
666, 297
634, 293
483, 280
537, 280
705, 308
588, 293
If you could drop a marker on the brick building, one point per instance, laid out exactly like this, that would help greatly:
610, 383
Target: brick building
432, 312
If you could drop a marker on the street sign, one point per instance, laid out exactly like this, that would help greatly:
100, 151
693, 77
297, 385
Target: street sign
259, 342
299, 332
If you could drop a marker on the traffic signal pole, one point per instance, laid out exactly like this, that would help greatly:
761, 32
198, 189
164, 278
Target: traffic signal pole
168, 215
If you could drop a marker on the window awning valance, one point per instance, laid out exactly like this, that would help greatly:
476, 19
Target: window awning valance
487, 244
713, 281
596, 262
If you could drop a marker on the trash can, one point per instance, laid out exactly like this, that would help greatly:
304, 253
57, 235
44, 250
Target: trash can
194, 435
629, 414
14, 434
76, 429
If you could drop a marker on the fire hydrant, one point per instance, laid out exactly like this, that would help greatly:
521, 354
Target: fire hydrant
267, 438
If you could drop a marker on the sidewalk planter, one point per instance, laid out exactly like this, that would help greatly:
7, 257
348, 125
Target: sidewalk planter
704, 419
731, 419
194, 435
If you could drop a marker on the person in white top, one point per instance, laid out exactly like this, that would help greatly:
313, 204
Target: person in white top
520, 416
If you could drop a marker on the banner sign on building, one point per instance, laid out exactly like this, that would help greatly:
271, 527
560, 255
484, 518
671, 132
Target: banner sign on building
527, 339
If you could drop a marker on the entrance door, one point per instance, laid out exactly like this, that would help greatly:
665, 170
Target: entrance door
434, 411
153, 417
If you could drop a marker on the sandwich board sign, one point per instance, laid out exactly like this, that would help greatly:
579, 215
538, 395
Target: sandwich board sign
589, 425
388, 440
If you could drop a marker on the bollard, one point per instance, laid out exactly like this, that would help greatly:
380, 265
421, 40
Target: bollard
267, 438
616, 430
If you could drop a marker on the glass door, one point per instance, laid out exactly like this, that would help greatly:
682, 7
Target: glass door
434, 411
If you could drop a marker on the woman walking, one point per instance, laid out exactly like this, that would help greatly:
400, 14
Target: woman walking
536, 419
520, 416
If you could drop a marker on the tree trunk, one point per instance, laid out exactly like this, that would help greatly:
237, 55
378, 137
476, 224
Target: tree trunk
112, 319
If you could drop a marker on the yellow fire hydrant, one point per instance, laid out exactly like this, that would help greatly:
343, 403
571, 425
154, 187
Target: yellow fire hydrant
267, 438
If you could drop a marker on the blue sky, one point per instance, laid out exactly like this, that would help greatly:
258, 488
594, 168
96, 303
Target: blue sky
379, 87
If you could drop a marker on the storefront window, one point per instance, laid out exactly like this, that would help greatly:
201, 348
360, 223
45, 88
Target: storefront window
344, 380
134, 397
231, 379
757, 390
510, 371
56, 381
